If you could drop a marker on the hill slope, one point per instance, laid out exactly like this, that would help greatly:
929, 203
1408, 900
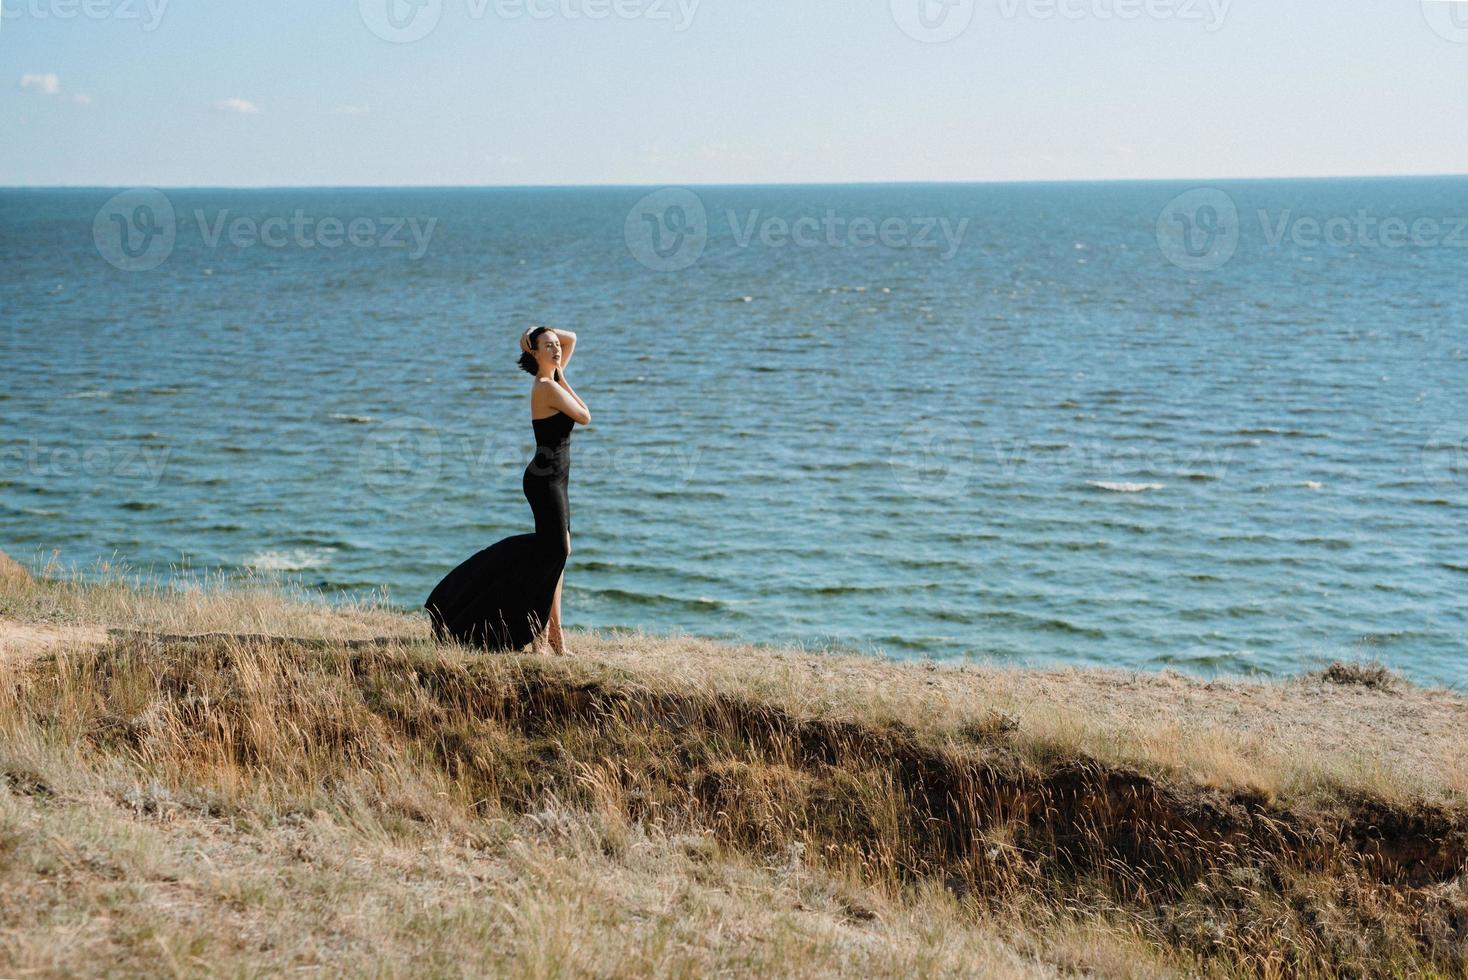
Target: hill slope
327, 788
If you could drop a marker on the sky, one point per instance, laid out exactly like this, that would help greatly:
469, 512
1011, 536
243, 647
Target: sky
171, 93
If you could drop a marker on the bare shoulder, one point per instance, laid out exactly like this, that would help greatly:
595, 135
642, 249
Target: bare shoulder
543, 395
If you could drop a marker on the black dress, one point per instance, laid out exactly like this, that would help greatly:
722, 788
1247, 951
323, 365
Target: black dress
500, 598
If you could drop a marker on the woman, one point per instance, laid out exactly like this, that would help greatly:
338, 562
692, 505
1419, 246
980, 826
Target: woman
501, 597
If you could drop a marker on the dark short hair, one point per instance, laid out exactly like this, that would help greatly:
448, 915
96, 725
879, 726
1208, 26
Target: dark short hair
528, 363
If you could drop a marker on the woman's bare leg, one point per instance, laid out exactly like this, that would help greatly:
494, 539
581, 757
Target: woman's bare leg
553, 629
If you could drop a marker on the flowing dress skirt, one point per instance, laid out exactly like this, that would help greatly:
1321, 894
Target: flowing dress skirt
500, 598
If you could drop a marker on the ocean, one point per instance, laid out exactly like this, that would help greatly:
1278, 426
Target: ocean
1217, 426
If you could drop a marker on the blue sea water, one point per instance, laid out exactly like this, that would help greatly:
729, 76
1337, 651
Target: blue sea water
1220, 427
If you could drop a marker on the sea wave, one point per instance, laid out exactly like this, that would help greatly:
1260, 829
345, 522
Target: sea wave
289, 560
1124, 487
659, 599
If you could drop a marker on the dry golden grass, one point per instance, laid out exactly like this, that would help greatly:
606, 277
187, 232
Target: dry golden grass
676, 807
112, 595
135, 879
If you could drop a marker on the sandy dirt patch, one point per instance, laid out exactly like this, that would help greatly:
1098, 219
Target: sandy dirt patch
26, 641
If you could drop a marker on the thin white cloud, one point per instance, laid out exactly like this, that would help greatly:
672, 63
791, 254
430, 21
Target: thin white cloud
82, 99
352, 110
47, 84
242, 106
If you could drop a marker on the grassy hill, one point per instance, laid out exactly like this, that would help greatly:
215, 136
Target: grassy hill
244, 781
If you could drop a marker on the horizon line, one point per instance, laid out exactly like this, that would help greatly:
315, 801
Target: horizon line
715, 184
